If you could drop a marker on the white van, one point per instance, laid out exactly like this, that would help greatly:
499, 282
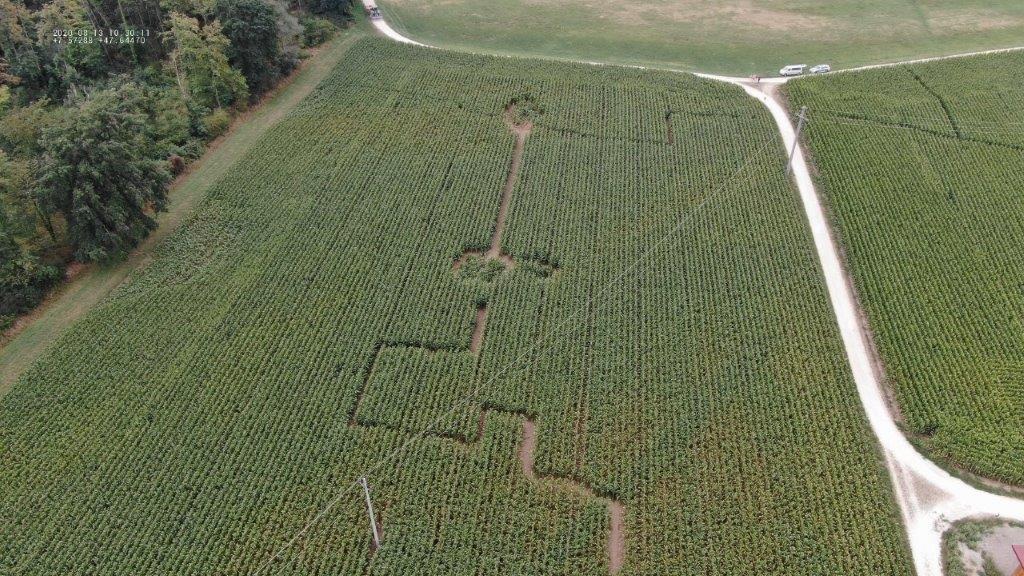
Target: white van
792, 70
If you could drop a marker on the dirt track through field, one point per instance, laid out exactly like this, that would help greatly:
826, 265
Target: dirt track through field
521, 131
929, 497
476, 341
616, 510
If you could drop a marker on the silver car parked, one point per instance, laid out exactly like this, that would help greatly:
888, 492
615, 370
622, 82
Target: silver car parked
792, 70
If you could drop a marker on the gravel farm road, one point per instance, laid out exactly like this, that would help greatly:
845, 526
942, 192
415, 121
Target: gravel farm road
929, 497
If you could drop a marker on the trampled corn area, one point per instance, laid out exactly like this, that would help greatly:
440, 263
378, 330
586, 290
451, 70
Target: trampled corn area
923, 167
654, 311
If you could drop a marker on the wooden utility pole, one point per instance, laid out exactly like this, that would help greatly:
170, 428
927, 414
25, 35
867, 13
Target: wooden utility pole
369, 510
796, 139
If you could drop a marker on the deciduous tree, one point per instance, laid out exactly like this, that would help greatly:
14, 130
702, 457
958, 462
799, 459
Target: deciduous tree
201, 65
23, 280
101, 171
251, 26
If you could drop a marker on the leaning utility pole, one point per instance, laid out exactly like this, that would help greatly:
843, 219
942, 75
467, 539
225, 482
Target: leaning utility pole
796, 139
369, 509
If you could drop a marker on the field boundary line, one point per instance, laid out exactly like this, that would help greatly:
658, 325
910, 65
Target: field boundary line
932, 59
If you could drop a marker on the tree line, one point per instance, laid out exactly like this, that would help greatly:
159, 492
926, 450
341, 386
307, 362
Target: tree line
102, 102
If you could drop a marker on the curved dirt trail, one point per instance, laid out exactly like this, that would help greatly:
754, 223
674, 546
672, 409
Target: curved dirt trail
930, 498
384, 28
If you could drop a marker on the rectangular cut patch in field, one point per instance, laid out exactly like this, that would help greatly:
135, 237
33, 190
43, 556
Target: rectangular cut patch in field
411, 387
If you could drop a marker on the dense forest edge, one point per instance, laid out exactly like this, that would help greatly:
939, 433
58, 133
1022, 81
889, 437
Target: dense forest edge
103, 102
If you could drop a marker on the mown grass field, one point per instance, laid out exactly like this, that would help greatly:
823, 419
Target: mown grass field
923, 168
663, 325
738, 37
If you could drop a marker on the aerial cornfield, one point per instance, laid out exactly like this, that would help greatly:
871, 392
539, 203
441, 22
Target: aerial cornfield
567, 320
923, 168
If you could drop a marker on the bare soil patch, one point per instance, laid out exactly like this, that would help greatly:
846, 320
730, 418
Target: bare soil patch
992, 553
521, 129
476, 341
505, 259
949, 21
745, 13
